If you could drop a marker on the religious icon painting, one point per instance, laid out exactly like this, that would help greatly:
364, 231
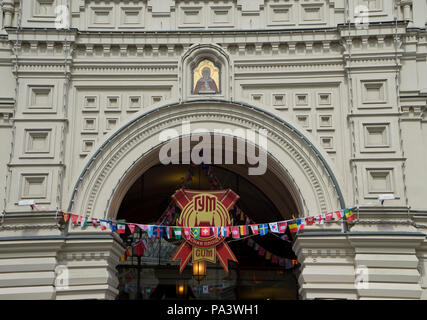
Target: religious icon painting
206, 78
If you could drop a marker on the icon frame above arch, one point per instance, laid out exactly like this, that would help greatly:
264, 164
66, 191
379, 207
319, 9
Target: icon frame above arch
206, 78
218, 80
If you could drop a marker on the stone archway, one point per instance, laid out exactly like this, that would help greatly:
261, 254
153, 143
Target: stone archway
296, 161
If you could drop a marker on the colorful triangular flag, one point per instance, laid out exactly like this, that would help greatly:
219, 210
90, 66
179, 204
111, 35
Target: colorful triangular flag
129, 251
300, 223
169, 232
250, 242
254, 228
205, 231
225, 231
177, 232
310, 220
150, 231
320, 219
121, 227
83, 221
103, 224
282, 226
285, 238
329, 216
293, 226
243, 230
196, 233
139, 249
235, 232
187, 233
215, 231
131, 227
74, 219
339, 214
263, 229
273, 227
158, 232
349, 215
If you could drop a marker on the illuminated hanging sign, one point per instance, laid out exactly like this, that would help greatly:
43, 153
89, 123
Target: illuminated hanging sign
202, 213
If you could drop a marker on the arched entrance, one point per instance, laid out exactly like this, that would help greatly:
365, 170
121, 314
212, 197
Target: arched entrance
264, 270
298, 181
300, 164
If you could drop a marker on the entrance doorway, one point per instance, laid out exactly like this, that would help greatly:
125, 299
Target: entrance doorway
267, 266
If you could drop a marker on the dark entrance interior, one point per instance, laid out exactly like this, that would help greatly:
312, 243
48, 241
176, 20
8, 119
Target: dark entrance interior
266, 268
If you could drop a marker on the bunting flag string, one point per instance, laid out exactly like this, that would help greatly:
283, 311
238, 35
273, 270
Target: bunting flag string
274, 259
176, 232
236, 232
169, 216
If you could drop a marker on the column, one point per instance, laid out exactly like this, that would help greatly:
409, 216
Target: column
8, 9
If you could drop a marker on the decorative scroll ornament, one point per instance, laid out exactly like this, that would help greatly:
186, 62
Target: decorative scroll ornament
201, 211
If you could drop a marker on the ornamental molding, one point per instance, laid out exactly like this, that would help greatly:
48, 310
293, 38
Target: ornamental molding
136, 68
172, 44
275, 67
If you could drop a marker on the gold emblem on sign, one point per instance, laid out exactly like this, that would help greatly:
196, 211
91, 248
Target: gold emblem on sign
206, 78
203, 213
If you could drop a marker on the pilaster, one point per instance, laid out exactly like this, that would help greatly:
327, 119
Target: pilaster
327, 264
389, 264
90, 257
29, 244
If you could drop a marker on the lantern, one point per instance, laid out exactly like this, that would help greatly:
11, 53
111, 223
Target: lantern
199, 270
181, 289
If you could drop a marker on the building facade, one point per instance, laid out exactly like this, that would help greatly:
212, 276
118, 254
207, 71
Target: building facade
87, 87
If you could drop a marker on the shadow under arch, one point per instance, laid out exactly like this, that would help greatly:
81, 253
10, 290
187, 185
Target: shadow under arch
285, 189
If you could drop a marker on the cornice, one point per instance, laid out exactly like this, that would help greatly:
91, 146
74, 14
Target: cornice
237, 43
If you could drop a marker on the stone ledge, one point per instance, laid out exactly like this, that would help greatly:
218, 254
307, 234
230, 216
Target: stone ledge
391, 290
22, 279
28, 293
87, 292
